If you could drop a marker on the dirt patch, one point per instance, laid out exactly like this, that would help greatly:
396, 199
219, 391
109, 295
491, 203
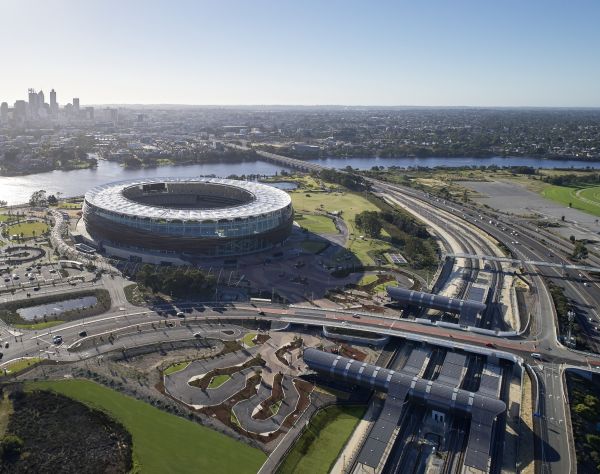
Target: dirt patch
276, 396
163, 357
352, 353
525, 459
62, 435
204, 382
262, 338
223, 411
304, 389
225, 415
373, 309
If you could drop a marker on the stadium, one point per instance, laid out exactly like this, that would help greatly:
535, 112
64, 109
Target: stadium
193, 217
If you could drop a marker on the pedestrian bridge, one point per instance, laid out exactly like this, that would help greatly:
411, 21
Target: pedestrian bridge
516, 261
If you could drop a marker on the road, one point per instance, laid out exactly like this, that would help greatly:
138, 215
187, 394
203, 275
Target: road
128, 326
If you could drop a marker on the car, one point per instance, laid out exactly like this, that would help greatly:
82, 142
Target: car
180, 314
585, 283
36, 288
57, 339
535, 355
357, 316
7, 280
490, 344
52, 271
6, 345
83, 334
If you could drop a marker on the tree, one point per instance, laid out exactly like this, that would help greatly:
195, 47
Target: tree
369, 223
572, 239
52, 200
580, 250
11, 446
38, 198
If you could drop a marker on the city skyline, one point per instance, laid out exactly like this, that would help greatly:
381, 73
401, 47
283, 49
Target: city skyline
538, 54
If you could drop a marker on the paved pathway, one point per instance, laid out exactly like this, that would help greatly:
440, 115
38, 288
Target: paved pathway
244, 410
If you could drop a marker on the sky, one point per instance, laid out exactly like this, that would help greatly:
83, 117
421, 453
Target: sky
541, 53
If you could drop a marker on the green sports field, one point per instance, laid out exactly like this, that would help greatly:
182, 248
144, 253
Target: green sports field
316, 224
28, 229
163, 442
584, 199
319, 446
349, 205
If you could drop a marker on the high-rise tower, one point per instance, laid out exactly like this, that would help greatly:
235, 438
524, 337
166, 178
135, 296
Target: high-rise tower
53, 103
33, 102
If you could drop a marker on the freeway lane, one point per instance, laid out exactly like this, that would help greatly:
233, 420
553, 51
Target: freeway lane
545, 339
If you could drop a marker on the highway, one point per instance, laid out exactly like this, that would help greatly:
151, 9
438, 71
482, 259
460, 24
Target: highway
468, 230
527, 243
557, 457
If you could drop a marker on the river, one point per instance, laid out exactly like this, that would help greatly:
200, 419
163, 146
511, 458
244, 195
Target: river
17, 189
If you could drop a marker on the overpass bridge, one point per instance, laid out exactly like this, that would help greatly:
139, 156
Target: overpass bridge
280, 159
516, 261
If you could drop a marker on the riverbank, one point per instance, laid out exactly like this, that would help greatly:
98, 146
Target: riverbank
17, 189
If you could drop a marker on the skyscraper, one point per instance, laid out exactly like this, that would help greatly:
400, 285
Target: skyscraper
41, 99
33, 102
20, 110
4, 112
53, 103
76, 105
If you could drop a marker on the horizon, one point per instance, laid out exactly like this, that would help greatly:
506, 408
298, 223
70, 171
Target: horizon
537, 54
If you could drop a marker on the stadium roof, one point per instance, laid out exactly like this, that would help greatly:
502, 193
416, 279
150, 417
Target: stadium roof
110, 197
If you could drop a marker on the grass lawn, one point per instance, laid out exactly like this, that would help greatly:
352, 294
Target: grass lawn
28, 229
163, 442
38, 326
274, 409
22, 364
175, 368
382, 286
584, 199
70, 205
350, 204
218, 380
134, 295
6, 217
316, 224
247, 339
319, 446
313, 246
367, 280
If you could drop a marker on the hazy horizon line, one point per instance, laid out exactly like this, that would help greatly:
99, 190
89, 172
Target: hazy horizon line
339, 106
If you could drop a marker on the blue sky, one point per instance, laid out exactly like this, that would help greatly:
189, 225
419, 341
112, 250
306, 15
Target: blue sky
477, 53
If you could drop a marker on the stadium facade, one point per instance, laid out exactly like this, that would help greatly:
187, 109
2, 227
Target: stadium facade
189, 217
